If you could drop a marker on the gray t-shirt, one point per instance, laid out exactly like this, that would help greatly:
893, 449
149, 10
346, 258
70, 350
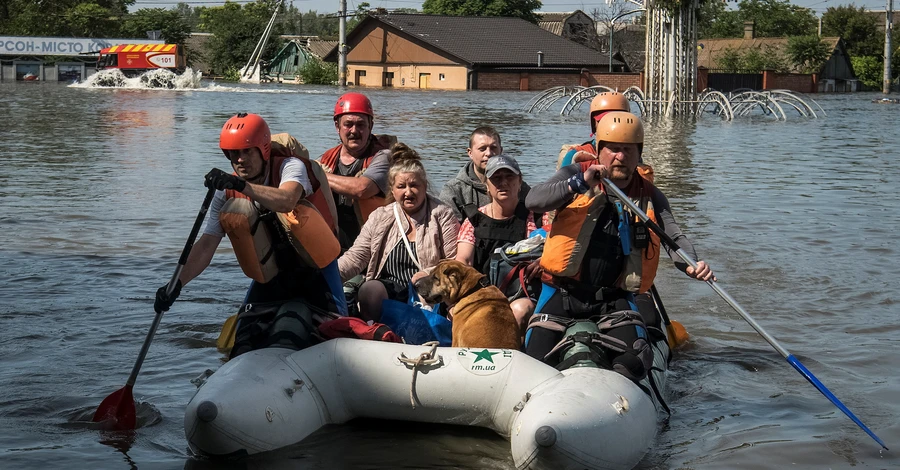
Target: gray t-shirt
292, 169
377, 172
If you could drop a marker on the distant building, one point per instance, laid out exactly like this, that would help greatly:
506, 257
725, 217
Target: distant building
836, 73
465, 53
286, 64
54, 59
572, 25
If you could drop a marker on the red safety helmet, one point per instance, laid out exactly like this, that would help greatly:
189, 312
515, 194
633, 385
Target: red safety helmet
353, 103
244, 131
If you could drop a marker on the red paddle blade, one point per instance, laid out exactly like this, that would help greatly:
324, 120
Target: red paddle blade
117, 410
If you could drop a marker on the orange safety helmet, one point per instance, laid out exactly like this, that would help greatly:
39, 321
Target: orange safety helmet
606, 102
621, 128
244, 131
353, 103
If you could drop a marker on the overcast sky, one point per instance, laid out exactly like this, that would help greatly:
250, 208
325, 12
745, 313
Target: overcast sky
330, 6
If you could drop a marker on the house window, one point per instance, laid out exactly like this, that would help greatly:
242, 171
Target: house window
387, 79
441, 77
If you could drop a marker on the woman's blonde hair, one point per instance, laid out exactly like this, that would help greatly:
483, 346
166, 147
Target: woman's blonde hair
404, 160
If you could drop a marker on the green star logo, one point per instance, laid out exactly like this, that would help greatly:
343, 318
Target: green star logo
486, 355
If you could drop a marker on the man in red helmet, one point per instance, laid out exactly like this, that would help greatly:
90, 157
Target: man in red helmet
357, 172
272, 185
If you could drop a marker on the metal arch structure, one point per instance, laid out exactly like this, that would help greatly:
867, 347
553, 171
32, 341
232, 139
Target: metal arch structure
579, 97
635, 95
744, 103
545, 99
721, 104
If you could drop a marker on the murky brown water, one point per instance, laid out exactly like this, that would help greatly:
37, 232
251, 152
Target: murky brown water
98, 190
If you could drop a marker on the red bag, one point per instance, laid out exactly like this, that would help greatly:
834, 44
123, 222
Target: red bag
352, 327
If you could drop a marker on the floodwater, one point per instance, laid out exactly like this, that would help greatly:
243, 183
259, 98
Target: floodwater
99, 187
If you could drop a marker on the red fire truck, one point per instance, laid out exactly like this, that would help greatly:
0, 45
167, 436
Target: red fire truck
135, 59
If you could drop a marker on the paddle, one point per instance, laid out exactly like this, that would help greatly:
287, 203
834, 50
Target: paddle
226, 336
677, 333
117, 410
733, 303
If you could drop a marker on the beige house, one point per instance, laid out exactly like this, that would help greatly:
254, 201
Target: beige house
464, 53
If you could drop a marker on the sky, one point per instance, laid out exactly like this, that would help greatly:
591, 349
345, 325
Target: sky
331, 6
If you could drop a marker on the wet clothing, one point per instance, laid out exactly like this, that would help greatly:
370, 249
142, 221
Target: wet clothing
465, 188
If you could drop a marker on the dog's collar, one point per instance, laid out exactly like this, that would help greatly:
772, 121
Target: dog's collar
482, 283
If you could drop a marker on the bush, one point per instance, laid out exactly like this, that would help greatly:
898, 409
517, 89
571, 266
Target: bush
316, 72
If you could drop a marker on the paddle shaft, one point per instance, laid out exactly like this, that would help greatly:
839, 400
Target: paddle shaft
188, 245
659, 304
612, 188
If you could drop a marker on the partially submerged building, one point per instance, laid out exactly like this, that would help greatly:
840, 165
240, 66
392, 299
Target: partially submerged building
466, 53
54, 59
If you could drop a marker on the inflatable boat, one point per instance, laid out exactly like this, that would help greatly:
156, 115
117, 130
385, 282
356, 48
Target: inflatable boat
578, 418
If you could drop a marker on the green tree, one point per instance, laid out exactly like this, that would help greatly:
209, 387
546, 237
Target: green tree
771, 18
86, 18
856, 27
190, 15
753, 60
172, 24
316, 72
710, 13
236, 31
808, 53
869, 70
519, 8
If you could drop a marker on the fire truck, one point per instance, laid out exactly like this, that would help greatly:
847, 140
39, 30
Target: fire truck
135, 59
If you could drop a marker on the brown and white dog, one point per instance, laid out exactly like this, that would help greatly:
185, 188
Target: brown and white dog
482, 317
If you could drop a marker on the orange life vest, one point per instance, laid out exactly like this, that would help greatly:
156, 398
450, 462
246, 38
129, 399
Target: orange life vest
310, 227
574, 225
329, 161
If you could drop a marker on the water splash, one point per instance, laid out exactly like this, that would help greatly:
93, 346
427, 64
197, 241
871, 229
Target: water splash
158, 78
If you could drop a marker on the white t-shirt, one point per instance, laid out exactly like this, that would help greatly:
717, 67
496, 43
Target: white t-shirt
293, 169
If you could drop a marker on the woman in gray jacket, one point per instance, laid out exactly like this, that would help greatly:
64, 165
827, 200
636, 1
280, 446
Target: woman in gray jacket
410, 234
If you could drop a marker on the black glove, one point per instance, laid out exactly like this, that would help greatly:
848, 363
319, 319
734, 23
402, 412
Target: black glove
163, 301
220, 180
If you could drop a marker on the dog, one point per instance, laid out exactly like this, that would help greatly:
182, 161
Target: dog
482, 317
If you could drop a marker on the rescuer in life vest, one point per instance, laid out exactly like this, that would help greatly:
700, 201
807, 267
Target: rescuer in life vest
279, 236
357, 168
602, 103
598, 255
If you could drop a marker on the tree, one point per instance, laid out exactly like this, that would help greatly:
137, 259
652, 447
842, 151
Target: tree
86, 18
518, 8
173, 26
190, 15
856, 27
752, 60
316, 72
808, 53
710, 14
771, 18
869, 70
604, 18
236, 31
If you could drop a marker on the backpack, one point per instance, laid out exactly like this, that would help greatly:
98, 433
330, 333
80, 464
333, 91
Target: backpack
508, 264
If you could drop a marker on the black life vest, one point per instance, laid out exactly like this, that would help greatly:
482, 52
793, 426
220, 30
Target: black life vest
491, 233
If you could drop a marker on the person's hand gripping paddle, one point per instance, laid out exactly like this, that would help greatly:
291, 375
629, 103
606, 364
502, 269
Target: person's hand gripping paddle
793, 361
117, 412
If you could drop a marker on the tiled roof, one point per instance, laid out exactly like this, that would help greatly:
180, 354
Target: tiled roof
709, 50
490, 40
320, 47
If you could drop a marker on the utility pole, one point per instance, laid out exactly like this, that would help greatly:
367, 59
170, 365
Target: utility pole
888, 14
342, 45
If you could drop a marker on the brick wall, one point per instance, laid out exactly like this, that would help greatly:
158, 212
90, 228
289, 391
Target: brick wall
789, 81
498, 81
616, 81
543, 81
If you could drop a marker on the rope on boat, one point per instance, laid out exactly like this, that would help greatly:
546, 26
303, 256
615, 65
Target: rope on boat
426, 359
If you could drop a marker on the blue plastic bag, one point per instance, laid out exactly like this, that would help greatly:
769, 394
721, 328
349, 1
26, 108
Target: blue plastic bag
414, 324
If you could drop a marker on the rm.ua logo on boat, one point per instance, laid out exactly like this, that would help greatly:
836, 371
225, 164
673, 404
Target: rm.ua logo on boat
484, 361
